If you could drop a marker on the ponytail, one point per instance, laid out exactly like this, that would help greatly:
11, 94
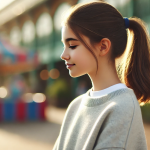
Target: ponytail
136, 63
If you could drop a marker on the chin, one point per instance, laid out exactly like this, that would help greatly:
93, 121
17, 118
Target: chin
74, 75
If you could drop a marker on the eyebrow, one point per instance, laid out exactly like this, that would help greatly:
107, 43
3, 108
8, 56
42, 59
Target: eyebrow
69, 39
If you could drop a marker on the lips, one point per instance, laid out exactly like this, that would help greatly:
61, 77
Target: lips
69, 65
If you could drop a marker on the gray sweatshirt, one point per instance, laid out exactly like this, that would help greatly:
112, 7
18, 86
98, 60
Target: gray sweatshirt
110, 122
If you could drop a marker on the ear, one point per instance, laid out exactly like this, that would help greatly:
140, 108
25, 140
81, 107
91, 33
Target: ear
104, 46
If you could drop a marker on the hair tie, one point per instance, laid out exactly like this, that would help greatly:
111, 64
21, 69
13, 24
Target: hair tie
126, 20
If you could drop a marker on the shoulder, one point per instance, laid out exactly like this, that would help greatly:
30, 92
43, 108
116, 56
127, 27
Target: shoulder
119, 111
74, 104
122, 120
72, 108
125, 104
76, 101
126, 99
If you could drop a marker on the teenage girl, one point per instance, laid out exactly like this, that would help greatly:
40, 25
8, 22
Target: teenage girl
107, 116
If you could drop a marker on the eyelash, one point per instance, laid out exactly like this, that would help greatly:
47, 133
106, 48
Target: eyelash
72, 47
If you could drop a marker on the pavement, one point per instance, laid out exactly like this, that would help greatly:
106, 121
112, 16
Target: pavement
38, 135
33, 135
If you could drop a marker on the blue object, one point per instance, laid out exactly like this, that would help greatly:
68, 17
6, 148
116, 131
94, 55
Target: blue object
32, 111
126, 22
7, 53
9, 111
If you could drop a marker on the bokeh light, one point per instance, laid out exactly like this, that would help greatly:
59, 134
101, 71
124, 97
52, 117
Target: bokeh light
28, 97
44, 74
60, 14
44, 25
39, 97
15, 35
28, 28
54, 73
3, 92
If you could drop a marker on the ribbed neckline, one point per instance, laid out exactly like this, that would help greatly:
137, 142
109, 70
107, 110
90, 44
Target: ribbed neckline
107, 90
94, 101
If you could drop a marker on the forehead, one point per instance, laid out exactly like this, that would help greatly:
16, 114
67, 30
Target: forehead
66, 33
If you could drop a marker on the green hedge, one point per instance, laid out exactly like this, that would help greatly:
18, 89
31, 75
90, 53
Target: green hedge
59, 93
145, 109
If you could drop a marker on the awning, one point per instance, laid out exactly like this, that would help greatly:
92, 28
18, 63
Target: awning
14, 59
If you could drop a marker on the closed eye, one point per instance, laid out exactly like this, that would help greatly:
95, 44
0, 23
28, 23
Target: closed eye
72, 47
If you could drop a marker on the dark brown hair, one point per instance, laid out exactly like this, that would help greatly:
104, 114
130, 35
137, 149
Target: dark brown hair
98, 20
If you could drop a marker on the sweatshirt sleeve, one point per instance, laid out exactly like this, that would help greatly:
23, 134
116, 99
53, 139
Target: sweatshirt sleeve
114, 132
115, 148
69, 112
56, 144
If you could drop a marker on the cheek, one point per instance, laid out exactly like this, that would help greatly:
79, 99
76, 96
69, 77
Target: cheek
85, 60
85, 64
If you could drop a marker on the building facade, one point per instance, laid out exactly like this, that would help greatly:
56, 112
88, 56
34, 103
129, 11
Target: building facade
36, 25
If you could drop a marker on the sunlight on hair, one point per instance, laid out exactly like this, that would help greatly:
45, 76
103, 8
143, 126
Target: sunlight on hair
54, 73
126, 55
3, 92
27, 97
142, 104
39, 97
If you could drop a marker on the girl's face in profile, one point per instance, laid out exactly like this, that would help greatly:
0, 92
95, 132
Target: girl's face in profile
78, 58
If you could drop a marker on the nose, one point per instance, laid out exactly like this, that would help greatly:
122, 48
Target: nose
65, 56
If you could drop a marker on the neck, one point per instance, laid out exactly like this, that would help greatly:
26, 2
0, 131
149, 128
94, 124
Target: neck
106, 76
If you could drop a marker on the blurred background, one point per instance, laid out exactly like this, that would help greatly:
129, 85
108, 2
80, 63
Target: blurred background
35, 86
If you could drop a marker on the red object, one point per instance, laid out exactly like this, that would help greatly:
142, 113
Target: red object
21, 57
41, 110
21, 111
